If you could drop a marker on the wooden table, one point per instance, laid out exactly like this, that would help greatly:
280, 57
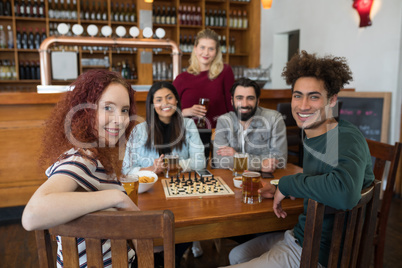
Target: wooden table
219, 217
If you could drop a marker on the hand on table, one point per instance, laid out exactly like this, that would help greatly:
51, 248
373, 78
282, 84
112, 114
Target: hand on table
196, 110
226, 151
267, 190
158, 165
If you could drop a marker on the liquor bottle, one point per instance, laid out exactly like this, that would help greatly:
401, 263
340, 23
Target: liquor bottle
224, 18
56, 10
3, 43
98, 12
224, 48
37, 67
183, 19
245, 20
28, 9
19, 38
104, 11
13, 72
234, 19
43, 35
41, 9
24, 39
168, 15
180, 11
73, 10
35, 7
239, 19
127, 13
10, 37
163, 16
153, 14
31, 41
173, 16
50, 10
232, 46
21, 70
133, 13
199, 16
121, 12
7, 8
92, 15
22, 9
158, 15
37, 39
27, 70
115, 12
1, 8
16, 8
33, 70
87, 15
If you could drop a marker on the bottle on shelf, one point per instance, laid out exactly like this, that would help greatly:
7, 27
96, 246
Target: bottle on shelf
224, 48
1, 8
121, 13
87, 15
127, 13
50, 11
19, 37
7, 8
41, 9
245, 20
92, 15
104, 11
10, 37
232, 46
22, 70
173, 17
57, 10
158, 15
43, 35
133, 13
239, 20
27, 68
3, 43
24, 39
163, 16
34, 8
22, 8
31, 39
73, 10
37, 39
98, 12
16, 8
116, 13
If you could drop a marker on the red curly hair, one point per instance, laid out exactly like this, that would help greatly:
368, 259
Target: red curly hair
83, 100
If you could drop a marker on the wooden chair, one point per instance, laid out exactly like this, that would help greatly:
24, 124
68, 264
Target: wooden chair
382, 153
118, 226
359, 231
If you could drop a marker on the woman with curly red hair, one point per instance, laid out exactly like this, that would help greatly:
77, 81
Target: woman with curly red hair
84, 142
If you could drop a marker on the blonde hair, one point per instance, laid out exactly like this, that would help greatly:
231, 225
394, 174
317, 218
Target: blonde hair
216, 65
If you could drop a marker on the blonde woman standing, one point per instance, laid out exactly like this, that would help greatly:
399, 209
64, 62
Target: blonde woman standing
206, 77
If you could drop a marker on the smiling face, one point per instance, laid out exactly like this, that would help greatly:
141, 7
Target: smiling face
311, 107
244, 102
113, 114
165, 104
205, 51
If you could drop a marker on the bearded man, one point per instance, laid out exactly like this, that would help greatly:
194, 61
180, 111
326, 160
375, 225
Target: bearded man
259, 132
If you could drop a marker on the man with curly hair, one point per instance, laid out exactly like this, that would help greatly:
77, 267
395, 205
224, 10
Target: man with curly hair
337, 163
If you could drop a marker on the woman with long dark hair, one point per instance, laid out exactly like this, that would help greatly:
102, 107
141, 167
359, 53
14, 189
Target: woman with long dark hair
165, 131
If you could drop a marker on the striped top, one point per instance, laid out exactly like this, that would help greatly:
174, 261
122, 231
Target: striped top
90, 175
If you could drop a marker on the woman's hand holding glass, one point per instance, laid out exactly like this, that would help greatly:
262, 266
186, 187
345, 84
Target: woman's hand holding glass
196, 110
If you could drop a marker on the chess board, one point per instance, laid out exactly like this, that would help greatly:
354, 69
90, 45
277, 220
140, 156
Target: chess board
204, 187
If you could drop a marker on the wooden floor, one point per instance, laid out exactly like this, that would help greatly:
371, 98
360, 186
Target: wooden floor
18, 248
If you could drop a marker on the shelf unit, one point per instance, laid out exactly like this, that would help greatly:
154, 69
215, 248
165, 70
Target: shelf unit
247, 40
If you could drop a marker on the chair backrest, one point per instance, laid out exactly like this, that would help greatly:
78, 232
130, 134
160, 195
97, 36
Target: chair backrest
357, 231
119, 227
285, 109
383, 152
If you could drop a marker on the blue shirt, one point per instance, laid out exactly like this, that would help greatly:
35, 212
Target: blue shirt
137, 156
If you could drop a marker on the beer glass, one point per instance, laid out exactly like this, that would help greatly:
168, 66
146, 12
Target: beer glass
130, 183
172, 166
251, 183
201, 121
240, 163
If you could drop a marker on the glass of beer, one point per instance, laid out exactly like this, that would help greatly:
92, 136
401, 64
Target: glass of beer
201, 121
172, 166
130, 183
251, 183
240, 163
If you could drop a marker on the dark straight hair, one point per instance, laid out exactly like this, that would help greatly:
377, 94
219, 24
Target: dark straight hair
154, 124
